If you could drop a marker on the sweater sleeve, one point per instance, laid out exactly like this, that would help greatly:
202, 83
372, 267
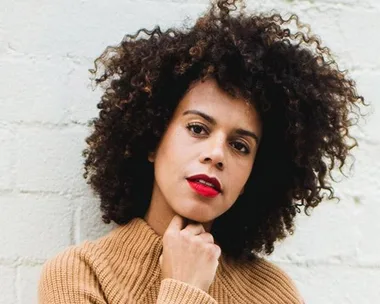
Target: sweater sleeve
66, 279
279, 283
176, 292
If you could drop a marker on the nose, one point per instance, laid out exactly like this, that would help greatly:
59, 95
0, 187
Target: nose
213, 152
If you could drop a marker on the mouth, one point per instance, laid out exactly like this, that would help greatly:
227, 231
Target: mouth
205, 185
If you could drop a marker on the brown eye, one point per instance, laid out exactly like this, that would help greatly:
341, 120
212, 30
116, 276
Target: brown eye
196, 128
240, 147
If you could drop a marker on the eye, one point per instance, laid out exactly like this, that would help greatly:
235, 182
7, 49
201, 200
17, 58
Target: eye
196, 128
240, 147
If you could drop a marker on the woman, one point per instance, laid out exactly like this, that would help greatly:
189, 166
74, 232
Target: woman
209, 141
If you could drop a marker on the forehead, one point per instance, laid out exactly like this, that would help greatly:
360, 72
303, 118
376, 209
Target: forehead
208, 97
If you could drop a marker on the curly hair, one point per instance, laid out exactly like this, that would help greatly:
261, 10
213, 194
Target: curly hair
305, 102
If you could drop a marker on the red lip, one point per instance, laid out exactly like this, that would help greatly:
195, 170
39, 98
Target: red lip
208, 179
202, 189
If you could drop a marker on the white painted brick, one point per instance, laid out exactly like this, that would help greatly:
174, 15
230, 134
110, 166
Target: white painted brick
368, 87
50, 159
7, 285
364, 181
89, 224
335, 284
46, 50
375, 4
3, 43
320, 236
336, 3
28, 278
82, 105
7, 155
344, 230
78, 28
369, 226
42, 91
364, 185
358, 38
34, 226
347, 31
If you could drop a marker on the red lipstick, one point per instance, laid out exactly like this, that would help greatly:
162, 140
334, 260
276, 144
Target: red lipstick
204, 185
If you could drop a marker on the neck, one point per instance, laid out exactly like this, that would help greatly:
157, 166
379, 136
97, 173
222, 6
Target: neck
160, 214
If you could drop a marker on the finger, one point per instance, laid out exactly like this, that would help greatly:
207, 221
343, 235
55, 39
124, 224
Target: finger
177, 223
218, 250
195, 229
206, 237
160, 260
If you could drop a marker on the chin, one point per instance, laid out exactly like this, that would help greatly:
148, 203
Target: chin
197, 216
195, 211
200, 219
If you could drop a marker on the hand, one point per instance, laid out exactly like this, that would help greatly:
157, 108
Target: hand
189, 254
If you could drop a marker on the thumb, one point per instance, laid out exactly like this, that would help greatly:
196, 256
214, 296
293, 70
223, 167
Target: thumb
177, 223
160, 261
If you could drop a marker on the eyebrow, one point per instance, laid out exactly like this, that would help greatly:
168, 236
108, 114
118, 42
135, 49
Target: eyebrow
213, 122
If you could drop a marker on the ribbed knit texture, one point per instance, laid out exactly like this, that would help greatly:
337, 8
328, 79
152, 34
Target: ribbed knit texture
123, 268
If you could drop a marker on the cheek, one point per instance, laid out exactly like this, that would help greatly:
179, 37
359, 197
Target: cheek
177, 147
241, 175
170, 156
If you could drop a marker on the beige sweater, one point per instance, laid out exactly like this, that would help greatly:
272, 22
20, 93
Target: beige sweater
122, 268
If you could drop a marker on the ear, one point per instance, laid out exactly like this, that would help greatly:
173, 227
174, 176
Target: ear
151, 156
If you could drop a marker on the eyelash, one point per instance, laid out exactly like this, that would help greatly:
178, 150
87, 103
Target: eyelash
192, 125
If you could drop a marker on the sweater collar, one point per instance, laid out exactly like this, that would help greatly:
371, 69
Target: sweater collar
140, 240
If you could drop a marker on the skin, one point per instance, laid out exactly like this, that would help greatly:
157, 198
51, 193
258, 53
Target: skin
204, 148
197, 144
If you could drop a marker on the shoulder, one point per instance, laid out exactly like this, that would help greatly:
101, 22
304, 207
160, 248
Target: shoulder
86, 271
69, 275
82, 256
87, 257
77, 272
275, 281
264, 281
68, 259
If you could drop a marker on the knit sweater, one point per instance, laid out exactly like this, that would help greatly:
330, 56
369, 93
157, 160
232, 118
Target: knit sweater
122, 267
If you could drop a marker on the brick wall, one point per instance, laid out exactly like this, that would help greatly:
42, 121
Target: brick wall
46, 48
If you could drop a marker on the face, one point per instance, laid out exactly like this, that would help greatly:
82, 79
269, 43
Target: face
210, 133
